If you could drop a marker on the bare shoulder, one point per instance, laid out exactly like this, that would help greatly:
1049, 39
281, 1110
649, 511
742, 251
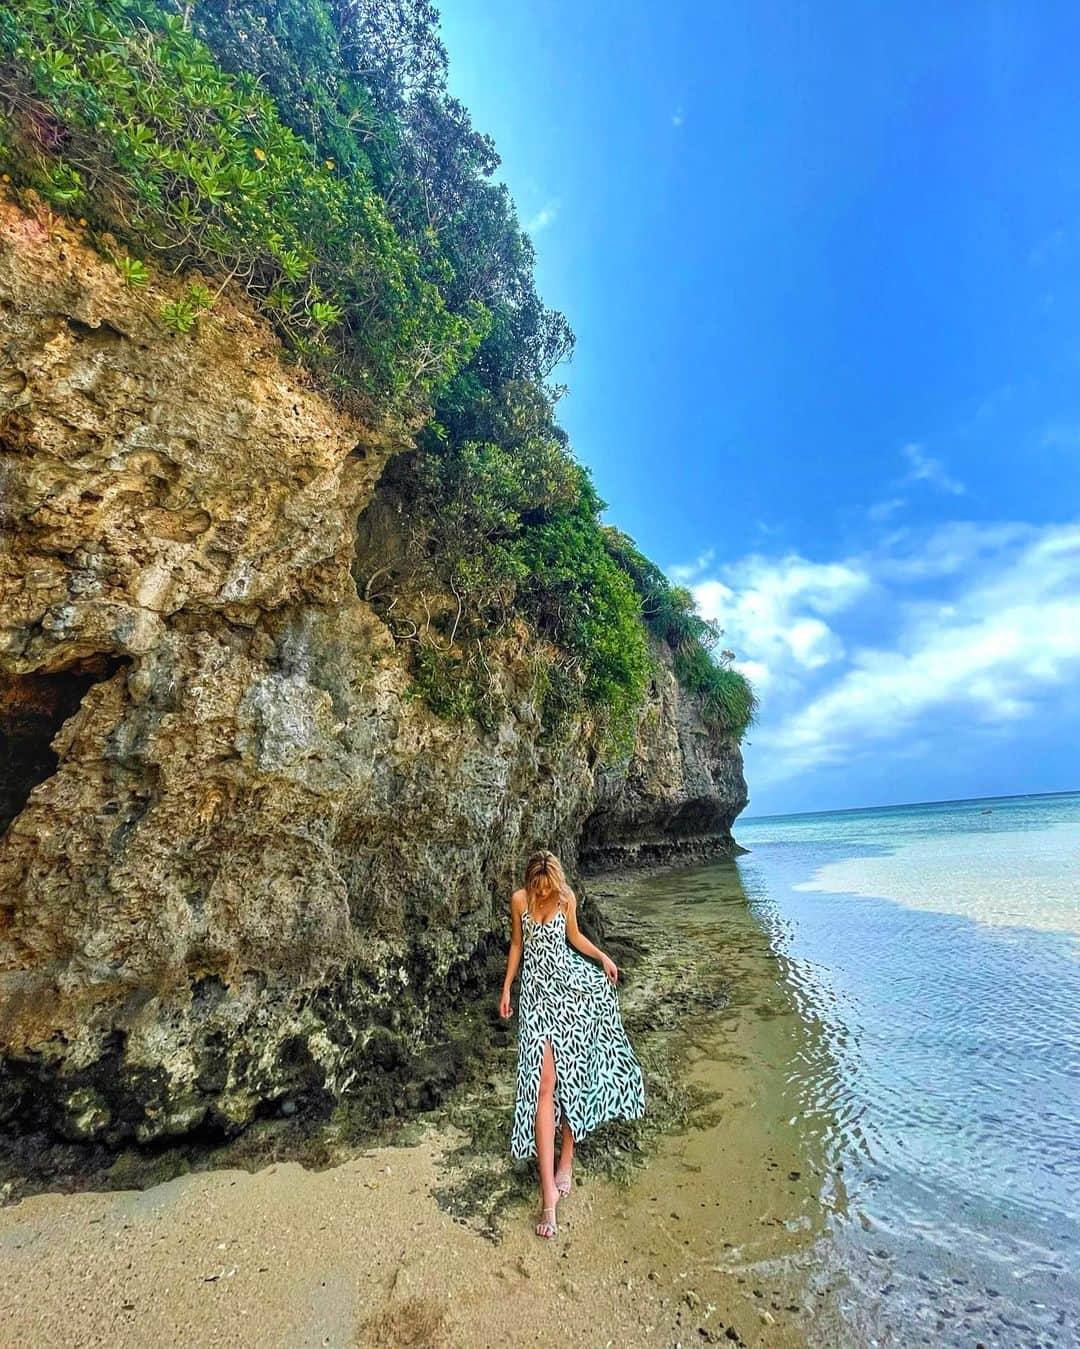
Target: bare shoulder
571, 899
517, 899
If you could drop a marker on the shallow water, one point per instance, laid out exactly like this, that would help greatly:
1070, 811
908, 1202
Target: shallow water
909, 982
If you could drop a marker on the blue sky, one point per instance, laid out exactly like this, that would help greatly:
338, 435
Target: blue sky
823, 263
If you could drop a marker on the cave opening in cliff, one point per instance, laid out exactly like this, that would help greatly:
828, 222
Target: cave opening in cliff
33, 707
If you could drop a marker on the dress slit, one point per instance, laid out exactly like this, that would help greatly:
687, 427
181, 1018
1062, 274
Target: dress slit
556, 1099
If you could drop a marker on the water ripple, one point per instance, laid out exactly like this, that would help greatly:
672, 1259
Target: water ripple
947, 1049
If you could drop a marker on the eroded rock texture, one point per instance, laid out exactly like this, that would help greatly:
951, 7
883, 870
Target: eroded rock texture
680, 795
240, 863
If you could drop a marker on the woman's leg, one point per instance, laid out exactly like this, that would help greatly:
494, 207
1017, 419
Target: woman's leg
545, 1139
566, 1159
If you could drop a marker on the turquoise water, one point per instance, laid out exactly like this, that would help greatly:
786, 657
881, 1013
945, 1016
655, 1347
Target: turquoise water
936, 949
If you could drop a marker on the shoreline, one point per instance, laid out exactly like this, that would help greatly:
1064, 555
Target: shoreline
427, 1238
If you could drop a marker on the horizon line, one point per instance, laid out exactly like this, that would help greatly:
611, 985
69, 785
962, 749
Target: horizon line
905, 805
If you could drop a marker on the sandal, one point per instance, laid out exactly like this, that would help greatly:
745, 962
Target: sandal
562, 1182
545, 1228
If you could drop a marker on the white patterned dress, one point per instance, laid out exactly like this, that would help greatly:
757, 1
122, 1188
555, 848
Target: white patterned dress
568, 999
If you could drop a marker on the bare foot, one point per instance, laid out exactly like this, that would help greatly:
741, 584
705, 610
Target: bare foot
546, 1227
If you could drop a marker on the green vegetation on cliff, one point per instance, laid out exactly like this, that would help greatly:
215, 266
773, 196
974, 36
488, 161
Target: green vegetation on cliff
308, 151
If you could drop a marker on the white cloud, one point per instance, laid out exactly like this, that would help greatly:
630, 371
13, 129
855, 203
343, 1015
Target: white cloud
773, 612
949, 550
813, 642
881, 510
966, 628
924, 468
987, 655
544, 217
686, 573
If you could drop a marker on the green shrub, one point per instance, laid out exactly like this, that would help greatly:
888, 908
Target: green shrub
578, 597
510, 525
456, 683
728, 699
114, 107
310, 152
559, 688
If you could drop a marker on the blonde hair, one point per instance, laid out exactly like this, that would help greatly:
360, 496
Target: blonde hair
544, 876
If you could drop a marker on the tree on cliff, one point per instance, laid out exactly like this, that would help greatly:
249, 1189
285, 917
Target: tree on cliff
310, 152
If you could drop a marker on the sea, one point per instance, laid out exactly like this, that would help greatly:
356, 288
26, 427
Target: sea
927, 1053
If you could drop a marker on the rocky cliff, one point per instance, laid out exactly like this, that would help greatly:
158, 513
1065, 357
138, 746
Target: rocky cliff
240, 862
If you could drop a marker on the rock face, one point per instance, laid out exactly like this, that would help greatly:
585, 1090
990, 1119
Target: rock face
240, 862
680, 794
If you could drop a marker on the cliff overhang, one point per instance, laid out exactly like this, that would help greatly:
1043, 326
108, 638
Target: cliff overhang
241, 864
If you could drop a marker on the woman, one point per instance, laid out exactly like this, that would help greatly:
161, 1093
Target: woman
574, 1060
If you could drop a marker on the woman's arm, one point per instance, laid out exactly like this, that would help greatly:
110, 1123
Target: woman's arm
513, 959
578, 939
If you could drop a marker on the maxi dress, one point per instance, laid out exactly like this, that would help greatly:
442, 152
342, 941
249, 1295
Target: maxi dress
568, 999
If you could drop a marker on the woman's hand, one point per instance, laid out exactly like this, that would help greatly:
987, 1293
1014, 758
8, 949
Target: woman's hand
610, 968
504, 1003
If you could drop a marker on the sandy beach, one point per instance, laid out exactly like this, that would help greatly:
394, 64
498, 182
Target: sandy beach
358, 1254
708, 1241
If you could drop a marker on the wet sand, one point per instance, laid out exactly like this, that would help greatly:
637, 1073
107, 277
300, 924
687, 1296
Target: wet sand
714, 1240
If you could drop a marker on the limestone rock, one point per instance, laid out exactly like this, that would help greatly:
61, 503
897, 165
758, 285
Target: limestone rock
241, 866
